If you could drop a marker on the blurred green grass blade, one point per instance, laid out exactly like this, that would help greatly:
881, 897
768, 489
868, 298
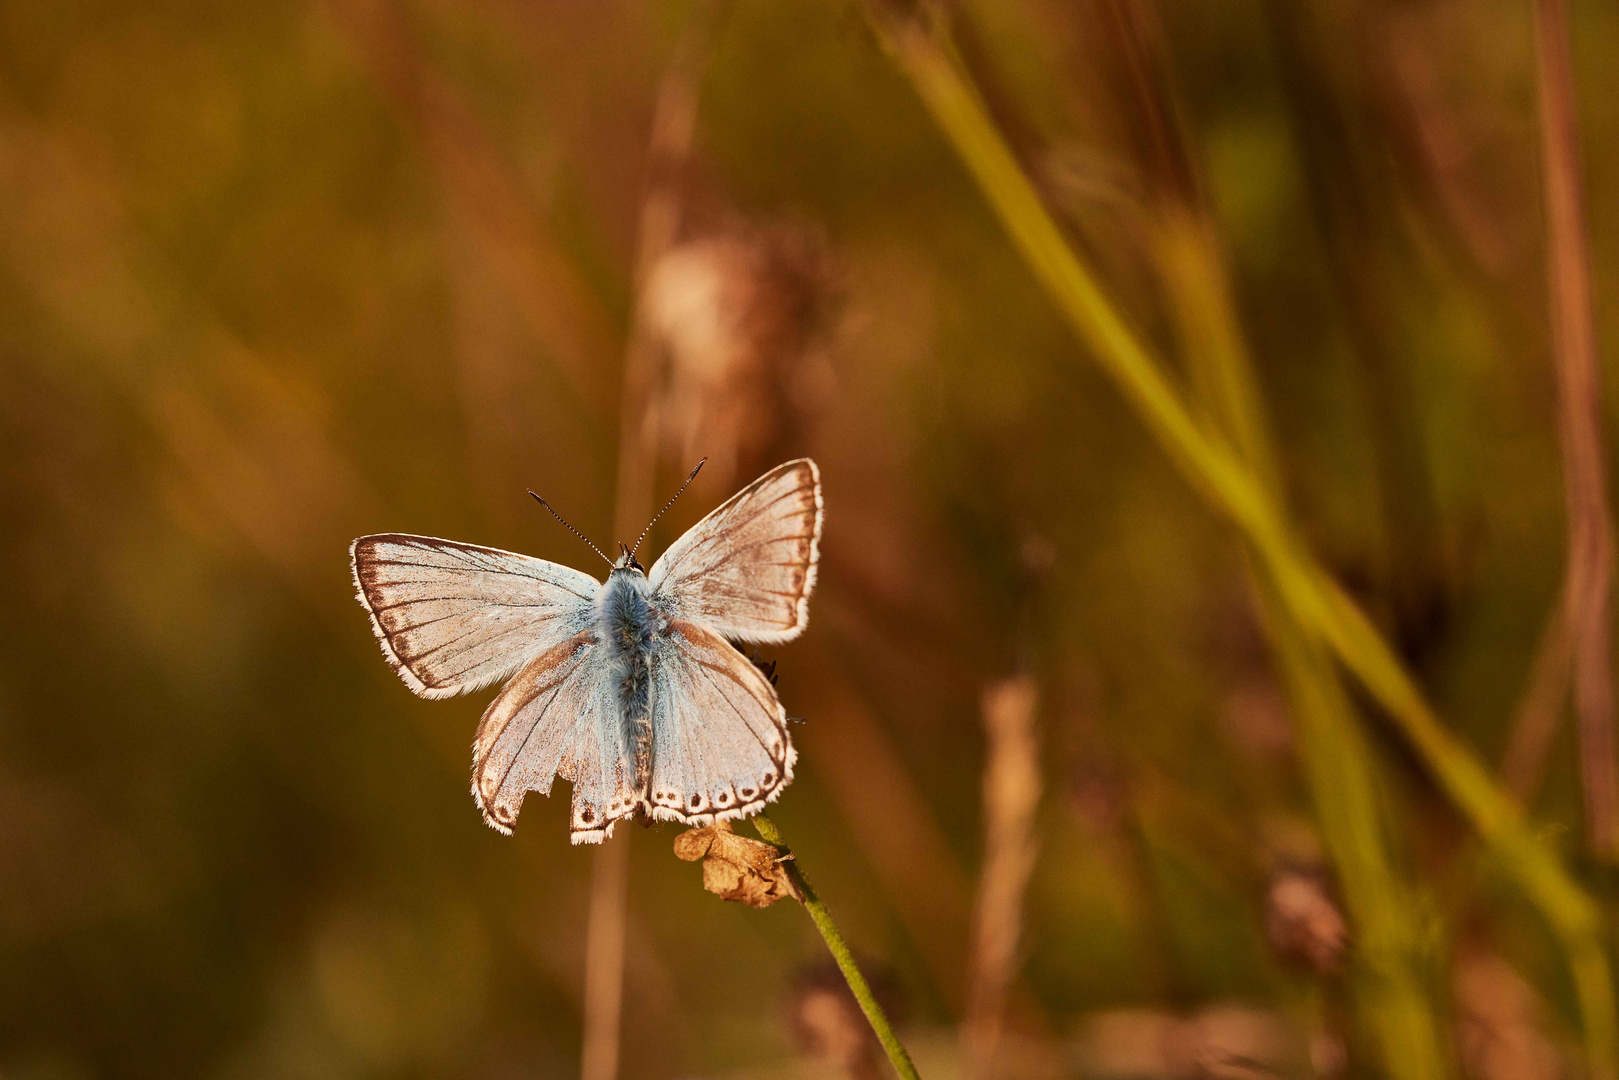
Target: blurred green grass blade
1211, 339
1312, 598
1391, 989
1389, 978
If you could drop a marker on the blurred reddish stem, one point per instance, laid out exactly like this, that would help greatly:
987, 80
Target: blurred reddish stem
1523, 765
1011, 795
663, 202
674, 122
1590, 545
604, 959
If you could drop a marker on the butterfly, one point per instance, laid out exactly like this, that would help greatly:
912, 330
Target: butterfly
630, 689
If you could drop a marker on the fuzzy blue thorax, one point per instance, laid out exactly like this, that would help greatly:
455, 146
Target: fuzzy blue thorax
627, 624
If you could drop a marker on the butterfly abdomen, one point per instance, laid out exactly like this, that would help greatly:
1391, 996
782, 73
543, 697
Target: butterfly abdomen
628, 624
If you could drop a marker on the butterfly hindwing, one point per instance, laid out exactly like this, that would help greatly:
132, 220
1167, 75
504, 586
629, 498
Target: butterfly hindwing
454, 617
747, 569
558, 716
719, 734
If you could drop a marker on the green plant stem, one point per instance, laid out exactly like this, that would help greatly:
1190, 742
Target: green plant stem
845, 959
1388, 960
1315, 601
1339, 764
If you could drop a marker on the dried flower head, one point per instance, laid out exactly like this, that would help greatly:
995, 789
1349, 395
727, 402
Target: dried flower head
738, 867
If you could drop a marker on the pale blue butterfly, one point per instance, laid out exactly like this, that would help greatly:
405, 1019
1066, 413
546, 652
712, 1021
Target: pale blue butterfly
630, 689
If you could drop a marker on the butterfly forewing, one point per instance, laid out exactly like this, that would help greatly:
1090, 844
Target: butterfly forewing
747, 569
454, 617
719, 735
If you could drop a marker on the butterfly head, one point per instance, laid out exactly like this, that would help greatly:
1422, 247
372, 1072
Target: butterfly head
626, 559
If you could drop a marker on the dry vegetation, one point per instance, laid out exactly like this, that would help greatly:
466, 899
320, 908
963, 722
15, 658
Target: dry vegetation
1210, 668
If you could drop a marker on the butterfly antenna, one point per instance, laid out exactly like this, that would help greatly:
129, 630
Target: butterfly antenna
666, 506
570, 528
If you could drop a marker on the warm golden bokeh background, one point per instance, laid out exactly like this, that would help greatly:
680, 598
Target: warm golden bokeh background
273, 276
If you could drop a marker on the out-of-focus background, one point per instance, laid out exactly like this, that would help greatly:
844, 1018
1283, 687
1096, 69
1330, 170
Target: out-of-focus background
273, 276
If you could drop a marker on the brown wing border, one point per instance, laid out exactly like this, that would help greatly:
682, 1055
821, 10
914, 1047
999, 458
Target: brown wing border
390, 653
812, 567
709, 813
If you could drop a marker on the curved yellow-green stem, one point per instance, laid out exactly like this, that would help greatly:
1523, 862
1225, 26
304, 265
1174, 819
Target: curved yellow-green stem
845, 959
1316, 602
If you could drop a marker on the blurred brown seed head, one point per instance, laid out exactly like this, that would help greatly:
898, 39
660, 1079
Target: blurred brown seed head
1499, 1022
826, 1021
1011, 797
1222, 1041
1303, 921
1253, 713
1329, 1057
742, 316
1099, 795
1012, 780
1254, 717
1038, 555
1232, 632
